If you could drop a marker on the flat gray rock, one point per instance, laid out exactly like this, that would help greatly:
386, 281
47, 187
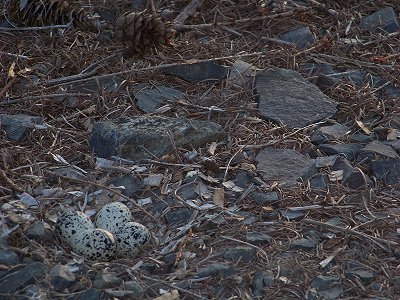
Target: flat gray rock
387, 171
18, 126
148, 137
328, 133
149, 97
241, 253
196, 72
284, 165
384, 20
286, 97
61, 277
348, 150
301, 37
17, 279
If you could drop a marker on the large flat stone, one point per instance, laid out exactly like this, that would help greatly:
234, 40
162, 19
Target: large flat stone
286, 97
149, 137
284, 165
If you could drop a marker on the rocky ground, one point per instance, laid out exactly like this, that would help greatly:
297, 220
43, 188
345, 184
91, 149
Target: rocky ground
261, 149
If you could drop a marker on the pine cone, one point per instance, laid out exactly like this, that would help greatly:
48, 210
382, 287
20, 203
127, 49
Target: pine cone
142, 32
47, 12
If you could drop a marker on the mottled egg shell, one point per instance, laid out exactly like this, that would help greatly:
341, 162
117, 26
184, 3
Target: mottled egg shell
70, 223
130, 237
95, 244
112, 216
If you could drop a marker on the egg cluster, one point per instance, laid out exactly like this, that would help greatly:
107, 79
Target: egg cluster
113, 232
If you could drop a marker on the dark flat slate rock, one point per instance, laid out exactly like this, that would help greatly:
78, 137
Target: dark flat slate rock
353, 178
108, 84
178, 216
319, 181
149, 97
9, 257
258, 238
40, 232
18, 279
146, 137
301, 37
242, 254
130, 183
323, 282
61, 277
303, 244
366, 276
284, 165
260, 281
292, 215
196, 72
313, 69
377, 147
328, 133
348, 150
18, 126
267, 198
384, 20
387, 171
286, 97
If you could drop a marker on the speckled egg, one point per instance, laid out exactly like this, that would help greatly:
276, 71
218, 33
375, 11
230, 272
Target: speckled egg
95, 244
70, 223
112, 216
130, 237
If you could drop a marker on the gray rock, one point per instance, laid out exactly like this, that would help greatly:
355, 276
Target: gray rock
61, 277
9, 257
384, 20
319, 182
203, 71
242, 179
216, 269
348, 150
313, 235
136, 288
287, 98
268, 198
387, 171
106, 280
242, 254
292, 215
18, 279
242, 74
328, 133
392, 91
131, 184
142, 137
377, 148
149, 97
301, 37
364, 275
360, 138
332, 293
178, 216
394, 144
284, 165
260, 281
258, 238
352, 178
303, 244
40, 232
322, 282
18, 126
